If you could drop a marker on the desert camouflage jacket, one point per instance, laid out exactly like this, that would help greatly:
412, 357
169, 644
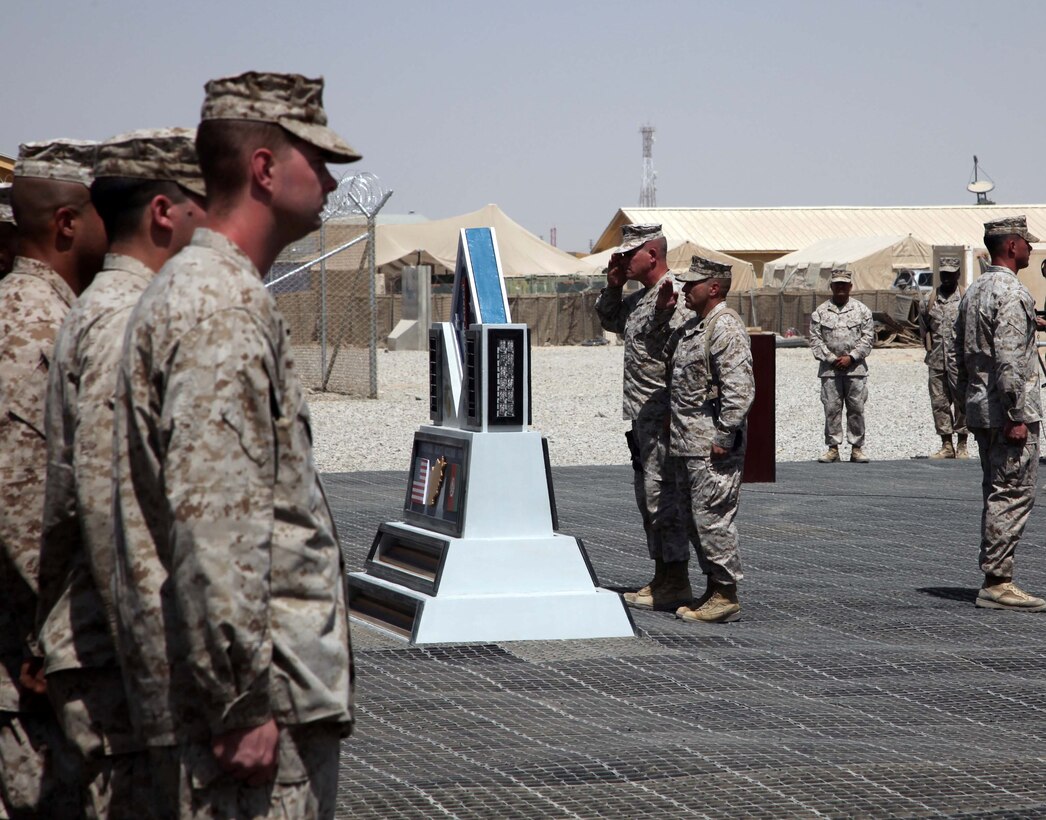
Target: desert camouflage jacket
996, 358
34, 300
645, 382
227, 561
75, 615
710, 398
841, 331
937, 321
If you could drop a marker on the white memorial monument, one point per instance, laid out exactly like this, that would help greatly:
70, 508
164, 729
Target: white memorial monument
477, 556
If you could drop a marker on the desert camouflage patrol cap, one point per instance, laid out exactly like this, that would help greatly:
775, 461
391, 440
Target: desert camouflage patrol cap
61, 160
6, 214
702, 268
633, 236
289, 100
1011, 225
841, 275
167, 154
949, 264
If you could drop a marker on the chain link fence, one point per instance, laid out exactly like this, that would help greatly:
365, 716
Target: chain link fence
338, 309
326, 288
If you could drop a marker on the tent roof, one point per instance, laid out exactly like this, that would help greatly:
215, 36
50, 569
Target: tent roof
839, 250
436, 243
781, 230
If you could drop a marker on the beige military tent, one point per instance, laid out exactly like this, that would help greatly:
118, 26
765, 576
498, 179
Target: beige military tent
436, 243
680, 252
873, 260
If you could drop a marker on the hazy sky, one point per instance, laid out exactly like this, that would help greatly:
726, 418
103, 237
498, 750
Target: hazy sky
537, 105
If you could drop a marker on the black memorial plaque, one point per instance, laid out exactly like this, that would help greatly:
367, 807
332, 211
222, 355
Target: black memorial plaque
473, 363
505, 378
436, 376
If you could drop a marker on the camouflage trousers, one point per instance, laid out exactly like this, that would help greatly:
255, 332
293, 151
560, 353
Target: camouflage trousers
714, 488
661, 501
36, 768
949, 416
835, 392
191, 786
92, 711
1009, 480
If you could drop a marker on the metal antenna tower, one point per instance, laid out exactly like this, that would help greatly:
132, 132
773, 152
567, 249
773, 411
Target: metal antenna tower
648, 191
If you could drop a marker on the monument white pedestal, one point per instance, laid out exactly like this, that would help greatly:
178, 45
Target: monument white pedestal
506, 577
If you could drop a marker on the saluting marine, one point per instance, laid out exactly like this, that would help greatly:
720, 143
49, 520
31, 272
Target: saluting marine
712, 388
642, 257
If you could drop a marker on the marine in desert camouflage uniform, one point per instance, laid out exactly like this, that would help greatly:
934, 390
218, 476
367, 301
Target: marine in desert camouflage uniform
8, 231
841, 337
937, 327
61, 242
712, 389
229, 585
149, 192
999, 382
642, 258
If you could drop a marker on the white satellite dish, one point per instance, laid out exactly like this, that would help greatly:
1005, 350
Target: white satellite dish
979, 186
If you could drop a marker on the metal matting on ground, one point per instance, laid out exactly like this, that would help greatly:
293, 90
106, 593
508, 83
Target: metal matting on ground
861, 680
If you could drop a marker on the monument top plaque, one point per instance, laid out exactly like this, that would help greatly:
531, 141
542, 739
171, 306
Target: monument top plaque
479, 287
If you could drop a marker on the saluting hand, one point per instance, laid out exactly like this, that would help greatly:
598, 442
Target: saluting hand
666, 296
616, 277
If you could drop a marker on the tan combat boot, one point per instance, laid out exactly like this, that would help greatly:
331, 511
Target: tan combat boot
709, 589
960, 446
720, 608
830, 455
857, 456
946, 451
675, 589
1007, 595
645, 593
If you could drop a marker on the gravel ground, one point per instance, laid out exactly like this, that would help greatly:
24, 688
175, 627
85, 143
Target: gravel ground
577, 406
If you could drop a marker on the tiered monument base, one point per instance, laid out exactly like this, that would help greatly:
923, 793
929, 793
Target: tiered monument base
450, 574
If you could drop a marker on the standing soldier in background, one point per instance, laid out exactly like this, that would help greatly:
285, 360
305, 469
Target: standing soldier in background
61, 243
937, 327
229, 584
8, 234
643, 258
712, 386
998, 381
841, 337
149, 193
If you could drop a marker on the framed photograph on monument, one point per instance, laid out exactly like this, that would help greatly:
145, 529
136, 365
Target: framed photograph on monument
437, 484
